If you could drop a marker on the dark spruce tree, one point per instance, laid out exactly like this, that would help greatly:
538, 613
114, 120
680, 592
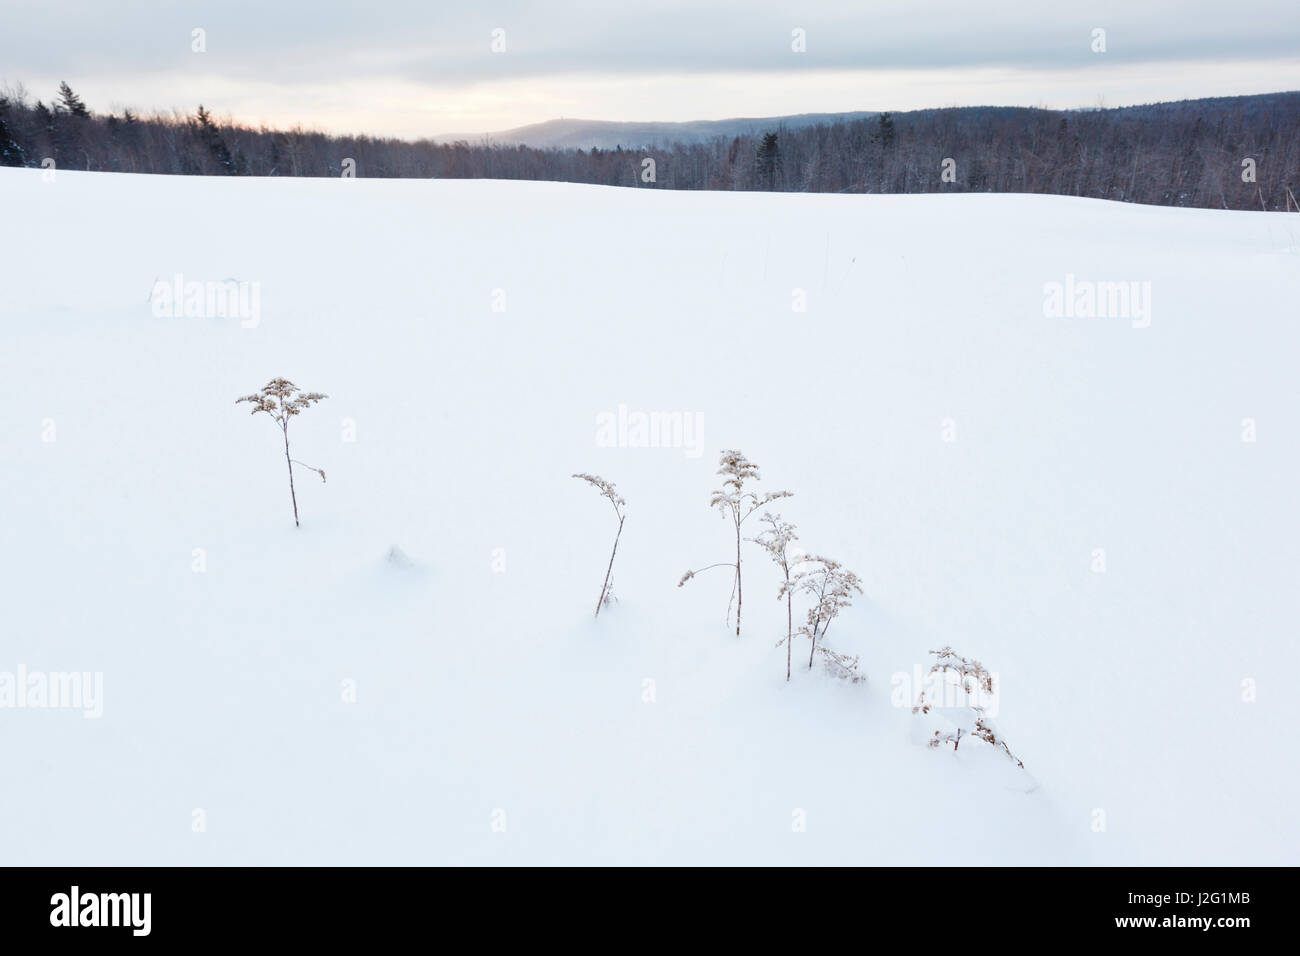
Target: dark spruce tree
11, 151
767, 161
70, 102
885, 134
210, 137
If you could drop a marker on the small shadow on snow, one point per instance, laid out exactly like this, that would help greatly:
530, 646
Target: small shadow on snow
399, 560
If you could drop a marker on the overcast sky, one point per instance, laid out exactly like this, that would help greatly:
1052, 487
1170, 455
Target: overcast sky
420, 67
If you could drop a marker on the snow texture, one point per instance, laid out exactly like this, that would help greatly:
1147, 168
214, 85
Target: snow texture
414, 675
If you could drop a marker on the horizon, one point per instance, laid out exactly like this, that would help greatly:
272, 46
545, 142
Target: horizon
8, 87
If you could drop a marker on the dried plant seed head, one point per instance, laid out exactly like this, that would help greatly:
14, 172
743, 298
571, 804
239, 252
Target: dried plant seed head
607, 490
281, 400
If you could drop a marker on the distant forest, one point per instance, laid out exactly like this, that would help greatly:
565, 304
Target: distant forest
1226, 153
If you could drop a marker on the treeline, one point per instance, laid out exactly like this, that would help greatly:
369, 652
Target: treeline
1226, 153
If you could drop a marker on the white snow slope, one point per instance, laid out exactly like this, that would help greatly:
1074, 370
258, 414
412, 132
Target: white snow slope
494, 721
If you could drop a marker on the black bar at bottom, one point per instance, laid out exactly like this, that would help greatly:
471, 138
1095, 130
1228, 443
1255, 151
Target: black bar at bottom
1223, 906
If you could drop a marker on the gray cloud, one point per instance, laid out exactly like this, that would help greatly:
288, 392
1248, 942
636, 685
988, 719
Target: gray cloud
416, 67
323, 42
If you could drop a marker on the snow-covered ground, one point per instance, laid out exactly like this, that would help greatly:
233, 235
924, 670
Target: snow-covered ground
968, 454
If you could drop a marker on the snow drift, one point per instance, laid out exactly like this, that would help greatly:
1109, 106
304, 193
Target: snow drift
1098, 508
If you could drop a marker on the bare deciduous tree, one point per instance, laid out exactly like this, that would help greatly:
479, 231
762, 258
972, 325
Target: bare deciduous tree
608, 491
282, 400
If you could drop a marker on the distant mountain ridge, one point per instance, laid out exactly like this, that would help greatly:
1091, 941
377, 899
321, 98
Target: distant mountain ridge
566, 133
607, 134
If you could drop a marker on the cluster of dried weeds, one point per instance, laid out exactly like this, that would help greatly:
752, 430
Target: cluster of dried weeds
971, 676
826, 584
